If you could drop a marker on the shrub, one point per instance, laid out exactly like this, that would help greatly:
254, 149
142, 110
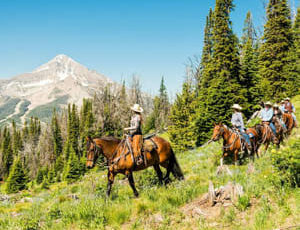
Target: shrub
287, 163
17, 179
243, 203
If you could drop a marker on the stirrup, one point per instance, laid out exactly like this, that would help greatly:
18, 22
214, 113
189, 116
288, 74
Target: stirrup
139, 160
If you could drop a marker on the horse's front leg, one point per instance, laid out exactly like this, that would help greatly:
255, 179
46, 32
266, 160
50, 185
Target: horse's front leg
131, 182
236, 152
266, 146
110, 177
159, 173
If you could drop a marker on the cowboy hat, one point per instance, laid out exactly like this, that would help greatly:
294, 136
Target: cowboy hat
268, 103
236, 106
282, 102
287, 99
276, 105
137, 108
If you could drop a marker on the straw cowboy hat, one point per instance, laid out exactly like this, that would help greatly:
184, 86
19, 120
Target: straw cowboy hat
137, 108
282, 102
287, 99
236, 106
276, 105
268, 103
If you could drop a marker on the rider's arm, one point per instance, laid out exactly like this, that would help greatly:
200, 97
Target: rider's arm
269, 115
134, 124
236, 120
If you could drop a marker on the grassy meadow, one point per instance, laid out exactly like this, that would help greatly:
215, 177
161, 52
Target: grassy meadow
269, 200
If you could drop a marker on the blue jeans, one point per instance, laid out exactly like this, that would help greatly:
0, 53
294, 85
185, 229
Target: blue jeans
272, 126
294, 117
245, 136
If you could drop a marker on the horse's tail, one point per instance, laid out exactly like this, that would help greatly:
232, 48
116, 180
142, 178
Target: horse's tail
176, 170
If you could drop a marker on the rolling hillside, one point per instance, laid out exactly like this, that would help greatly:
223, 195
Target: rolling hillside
267, 203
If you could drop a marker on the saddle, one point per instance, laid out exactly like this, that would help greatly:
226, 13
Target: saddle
148, 146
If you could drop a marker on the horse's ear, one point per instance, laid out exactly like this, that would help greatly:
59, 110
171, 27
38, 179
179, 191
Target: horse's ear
215, 123
220, 123
88, 139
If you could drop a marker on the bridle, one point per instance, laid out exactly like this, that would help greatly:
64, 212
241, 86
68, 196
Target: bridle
221, 132
97, 151
219, 135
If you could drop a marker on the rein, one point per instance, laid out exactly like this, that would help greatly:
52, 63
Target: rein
266, 134
230, 145
123, 154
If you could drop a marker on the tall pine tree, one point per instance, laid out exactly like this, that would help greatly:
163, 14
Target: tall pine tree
180, 132
207, 47
17, 179
56, 133
6, 153
249, 78
274, 51
220, 82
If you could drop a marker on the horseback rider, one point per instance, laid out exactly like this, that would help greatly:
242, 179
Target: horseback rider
277, 117
267, 115
282, 106
237, 122
135, 130
289, 107
258, 112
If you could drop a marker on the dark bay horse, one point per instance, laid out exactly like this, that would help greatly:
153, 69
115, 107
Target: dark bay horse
120, 160
289, 122
266, 135
254, 140
232, 143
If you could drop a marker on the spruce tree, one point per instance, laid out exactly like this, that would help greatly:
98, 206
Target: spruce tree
274, 51
51, 176
220, 85
6, 153
45, 183
164, 106
159, 118
66, 150
249, 78
56, 133
39, 176
17, 179
16, 138
72, 170
294, 59
180, 132
207, 47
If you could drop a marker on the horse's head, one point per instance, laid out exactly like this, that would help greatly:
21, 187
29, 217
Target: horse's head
92, 152
218, 131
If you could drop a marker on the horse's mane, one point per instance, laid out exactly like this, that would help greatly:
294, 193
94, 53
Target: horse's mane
109, 138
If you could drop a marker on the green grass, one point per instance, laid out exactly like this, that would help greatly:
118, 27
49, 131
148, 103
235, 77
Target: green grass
266, 204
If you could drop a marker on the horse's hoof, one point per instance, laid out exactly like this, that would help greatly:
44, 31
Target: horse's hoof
136, 194
167, 181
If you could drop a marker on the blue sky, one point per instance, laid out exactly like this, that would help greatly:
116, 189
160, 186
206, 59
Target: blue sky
117, 38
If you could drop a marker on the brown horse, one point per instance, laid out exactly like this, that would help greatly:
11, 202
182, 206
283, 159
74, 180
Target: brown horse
254, 140
119, 159
280, 133
289, 122
266, 135
232, 143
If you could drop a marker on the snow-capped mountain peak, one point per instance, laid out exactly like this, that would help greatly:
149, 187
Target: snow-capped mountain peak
61, 76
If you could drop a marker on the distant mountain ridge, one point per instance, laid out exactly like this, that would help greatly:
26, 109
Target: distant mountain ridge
54, 84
